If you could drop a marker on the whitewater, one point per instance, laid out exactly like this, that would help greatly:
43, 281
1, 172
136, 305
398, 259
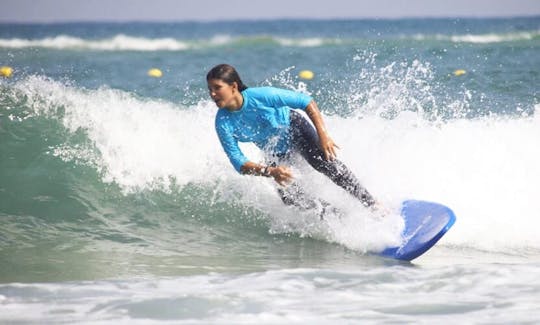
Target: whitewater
142, 145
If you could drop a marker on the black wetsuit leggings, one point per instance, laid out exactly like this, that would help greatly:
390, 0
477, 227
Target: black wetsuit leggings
304, 140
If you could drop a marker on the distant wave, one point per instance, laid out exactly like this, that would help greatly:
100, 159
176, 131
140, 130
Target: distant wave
116, 43
123, 42
483, 38
496, 38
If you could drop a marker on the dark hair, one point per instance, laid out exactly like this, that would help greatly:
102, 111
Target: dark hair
226, 73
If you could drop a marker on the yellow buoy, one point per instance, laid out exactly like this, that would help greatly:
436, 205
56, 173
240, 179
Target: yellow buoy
459, 72
154, 72
306, 74
6, 71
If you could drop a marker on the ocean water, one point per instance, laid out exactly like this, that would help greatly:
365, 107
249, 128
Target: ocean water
118, 205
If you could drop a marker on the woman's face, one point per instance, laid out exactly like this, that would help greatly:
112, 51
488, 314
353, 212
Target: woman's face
222, 93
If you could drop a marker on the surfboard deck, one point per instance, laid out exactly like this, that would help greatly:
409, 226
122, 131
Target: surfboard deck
425, 223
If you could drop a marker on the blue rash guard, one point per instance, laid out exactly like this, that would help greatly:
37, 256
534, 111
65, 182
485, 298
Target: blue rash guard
263, 119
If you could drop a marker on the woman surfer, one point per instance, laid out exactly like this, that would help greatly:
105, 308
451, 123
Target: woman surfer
266, 116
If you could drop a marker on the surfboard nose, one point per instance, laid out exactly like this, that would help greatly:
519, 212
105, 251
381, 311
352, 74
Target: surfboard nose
425, 223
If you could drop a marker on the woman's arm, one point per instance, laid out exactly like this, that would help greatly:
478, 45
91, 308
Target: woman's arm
281, 174
327, 144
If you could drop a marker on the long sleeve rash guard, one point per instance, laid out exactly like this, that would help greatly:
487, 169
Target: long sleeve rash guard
263, 119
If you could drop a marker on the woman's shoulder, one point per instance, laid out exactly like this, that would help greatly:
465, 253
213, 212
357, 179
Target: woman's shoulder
222, 115
222, 120
276, 96
260, 90
266, 92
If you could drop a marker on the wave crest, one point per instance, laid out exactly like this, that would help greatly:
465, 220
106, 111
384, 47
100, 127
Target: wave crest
123, 42
482, 38
119, 42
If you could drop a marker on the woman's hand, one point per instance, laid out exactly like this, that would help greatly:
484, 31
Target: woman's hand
281, 174
328, 147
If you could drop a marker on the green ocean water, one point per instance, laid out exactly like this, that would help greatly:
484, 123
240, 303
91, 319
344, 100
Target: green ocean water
117, 202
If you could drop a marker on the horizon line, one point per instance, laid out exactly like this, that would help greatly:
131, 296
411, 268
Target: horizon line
265, 19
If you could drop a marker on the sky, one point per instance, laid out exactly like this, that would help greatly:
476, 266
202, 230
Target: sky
210, 10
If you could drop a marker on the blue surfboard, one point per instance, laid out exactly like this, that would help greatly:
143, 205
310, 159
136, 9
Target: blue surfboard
425, 223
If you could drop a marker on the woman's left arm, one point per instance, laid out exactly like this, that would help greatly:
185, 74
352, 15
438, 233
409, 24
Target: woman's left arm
327, 144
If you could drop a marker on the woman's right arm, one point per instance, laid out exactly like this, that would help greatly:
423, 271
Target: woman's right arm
281, 174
